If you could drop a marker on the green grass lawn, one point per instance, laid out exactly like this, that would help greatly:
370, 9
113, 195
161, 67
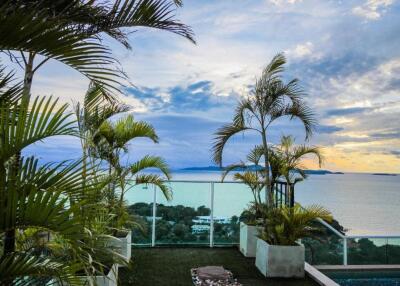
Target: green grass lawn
171, 266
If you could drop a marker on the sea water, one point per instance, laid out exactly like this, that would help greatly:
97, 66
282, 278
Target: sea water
364, 204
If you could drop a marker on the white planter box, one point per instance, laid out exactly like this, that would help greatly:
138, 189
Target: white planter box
123, 245
280, 261
126, 247
248, 239
111, 279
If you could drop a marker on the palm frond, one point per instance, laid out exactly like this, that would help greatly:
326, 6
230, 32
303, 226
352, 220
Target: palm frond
158, 14
33, 31
151, 179
153, 162
221, 138
43, 120
27, 269
9, 93
118, 134
232, 167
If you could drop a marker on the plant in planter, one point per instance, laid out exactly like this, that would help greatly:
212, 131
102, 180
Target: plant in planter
278, 252
251, 175
110, 141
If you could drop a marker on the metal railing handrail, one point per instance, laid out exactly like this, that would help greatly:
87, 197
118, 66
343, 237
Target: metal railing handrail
374, 236
216, 181
331, 228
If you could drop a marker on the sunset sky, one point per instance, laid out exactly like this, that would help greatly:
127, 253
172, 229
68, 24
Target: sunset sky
346, 55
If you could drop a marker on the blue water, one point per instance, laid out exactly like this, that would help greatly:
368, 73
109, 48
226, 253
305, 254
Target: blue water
364, 204
366, 278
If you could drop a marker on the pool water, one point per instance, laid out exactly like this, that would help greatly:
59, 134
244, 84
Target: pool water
366, 278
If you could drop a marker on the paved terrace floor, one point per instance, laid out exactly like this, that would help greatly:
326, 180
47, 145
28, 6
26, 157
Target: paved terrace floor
171, 267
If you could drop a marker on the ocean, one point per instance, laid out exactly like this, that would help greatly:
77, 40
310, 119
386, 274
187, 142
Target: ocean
364, 204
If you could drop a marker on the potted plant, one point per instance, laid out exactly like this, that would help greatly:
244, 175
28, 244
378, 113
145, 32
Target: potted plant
249, 231
109, 277
279, 253
252, 176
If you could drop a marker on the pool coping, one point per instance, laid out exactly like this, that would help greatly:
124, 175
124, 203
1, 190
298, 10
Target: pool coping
371, 267
318, 276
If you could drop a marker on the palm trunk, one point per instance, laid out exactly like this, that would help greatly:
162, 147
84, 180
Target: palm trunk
9, 239
26, 93
268, 191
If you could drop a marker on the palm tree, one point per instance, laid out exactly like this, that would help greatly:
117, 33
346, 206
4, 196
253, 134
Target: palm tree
32, 187
286, 225
71, 32
98, 106
270, 100
251, 174
291, 159
110, 141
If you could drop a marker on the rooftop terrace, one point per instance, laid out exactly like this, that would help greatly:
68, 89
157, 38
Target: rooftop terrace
171, 266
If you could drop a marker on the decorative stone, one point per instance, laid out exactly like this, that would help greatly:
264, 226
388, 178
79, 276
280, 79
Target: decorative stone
213, 276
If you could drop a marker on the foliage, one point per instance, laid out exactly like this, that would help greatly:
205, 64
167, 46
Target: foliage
286, 160
110, 141
68, 235
270, 100
286, 225
72, 31
252, 176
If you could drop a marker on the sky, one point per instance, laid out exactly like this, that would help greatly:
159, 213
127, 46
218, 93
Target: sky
346, 55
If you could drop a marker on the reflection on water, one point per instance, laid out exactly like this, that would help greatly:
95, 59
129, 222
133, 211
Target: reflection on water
362, 203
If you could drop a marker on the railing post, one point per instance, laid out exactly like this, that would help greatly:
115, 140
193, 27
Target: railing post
212, 214
291, 192
344, 250
153, 228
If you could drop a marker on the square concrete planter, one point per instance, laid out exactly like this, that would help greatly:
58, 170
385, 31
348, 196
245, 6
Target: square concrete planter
248, 239
280, 261
109, 279
122, 244
125, 247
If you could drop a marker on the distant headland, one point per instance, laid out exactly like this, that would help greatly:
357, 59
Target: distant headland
218, 169
384, 174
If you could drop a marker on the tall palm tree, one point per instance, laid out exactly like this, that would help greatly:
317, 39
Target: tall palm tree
98, 105
32, 187
110, 141
72, 31
270, 100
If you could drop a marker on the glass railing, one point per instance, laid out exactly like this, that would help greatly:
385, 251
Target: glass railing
206, 213
326, 248
337, 248
203, 213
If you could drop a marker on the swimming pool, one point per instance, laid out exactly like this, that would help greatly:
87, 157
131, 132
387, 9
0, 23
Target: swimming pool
365, 277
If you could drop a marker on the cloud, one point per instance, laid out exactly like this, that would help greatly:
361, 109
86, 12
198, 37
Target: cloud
347, 111
283, 2
395, 153
372, 9
198, 96
390, 134
305, 50
328, 129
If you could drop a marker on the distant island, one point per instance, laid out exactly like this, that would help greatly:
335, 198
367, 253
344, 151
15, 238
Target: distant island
384, 174
218, 169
